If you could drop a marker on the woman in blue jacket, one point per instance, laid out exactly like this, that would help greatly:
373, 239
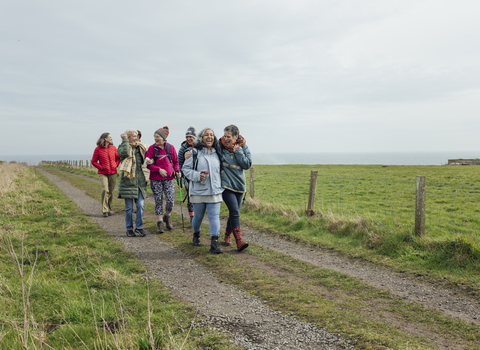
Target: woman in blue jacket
236, 158
203, 171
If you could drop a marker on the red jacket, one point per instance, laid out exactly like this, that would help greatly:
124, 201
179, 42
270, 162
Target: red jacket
106, 160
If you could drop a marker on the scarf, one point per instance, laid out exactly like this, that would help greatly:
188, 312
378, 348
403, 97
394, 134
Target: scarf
240, 142
128, 165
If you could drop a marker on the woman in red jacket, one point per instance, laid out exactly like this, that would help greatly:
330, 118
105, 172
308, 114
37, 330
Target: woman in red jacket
106, 160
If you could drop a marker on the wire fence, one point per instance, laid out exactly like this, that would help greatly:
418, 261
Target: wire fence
449, 208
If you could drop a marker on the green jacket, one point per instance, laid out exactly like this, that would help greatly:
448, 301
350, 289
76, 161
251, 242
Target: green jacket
128, 188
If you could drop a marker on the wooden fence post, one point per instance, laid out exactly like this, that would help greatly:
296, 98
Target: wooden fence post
421, 195
252, 183
311, 192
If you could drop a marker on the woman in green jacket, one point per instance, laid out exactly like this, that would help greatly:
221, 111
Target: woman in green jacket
132, 185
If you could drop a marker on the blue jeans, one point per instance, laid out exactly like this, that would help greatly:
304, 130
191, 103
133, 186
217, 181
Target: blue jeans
213, 211
129, 211
233, 201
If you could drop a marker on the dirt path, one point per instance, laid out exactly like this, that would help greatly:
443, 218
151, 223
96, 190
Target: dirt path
452, 303
250, 323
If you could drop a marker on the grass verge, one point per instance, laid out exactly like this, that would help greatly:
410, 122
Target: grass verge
66, 284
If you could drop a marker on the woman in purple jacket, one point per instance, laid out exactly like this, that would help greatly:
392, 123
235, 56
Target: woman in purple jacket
162, 161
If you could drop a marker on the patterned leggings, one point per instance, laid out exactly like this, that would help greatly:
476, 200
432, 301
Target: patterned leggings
158, 188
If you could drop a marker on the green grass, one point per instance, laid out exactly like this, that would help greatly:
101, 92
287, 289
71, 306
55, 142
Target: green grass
367, 211
81, 278
372, 319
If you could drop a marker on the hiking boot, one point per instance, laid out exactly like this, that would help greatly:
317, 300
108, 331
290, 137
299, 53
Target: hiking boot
241, 244
214, 248
110, 213
160, 227
130, 233
168, 222
228, 235
105, 215
196, 239
140, 232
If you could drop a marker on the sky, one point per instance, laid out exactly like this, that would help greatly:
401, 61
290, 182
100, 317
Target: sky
294, 76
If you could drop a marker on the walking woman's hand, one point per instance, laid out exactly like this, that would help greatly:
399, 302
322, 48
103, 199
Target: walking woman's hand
163, 173
123, 135
187, 155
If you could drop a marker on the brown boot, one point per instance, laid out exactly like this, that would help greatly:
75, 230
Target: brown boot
168, 221
228, 235
241, 245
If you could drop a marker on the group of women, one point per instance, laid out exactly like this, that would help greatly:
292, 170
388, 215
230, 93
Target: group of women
213, 172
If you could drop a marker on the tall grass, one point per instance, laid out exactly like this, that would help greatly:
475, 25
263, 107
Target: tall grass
66, 284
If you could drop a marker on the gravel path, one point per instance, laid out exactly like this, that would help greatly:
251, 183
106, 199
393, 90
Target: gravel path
452, 303
248, 321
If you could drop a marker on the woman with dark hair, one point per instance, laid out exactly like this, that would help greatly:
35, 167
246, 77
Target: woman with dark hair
203, 171
105, 159
132, 186
236, 158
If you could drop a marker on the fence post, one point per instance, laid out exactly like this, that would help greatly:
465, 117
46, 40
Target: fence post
311, 192
252, 183
421, 195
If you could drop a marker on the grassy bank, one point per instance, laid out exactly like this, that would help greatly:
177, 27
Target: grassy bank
66, 284
367, 211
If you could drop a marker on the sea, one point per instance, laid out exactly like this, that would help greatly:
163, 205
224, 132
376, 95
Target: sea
383, 158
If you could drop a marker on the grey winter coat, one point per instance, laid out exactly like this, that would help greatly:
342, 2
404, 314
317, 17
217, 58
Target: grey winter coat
207, 161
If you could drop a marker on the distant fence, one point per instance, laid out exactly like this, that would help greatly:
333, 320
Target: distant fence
69, 163
412, 204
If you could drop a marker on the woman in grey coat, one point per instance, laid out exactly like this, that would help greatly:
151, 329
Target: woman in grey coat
203, 171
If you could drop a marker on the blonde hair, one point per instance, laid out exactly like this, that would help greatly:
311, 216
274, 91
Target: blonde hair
130, 132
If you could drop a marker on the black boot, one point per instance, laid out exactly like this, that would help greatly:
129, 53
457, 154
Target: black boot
214, 248
196, 239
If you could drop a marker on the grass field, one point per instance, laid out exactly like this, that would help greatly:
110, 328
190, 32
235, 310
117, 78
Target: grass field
66, 284
368, 211
369, 318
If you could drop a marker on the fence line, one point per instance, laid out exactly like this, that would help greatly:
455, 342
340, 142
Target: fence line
428, 207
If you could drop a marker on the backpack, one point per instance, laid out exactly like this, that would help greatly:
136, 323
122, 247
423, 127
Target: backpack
157, 154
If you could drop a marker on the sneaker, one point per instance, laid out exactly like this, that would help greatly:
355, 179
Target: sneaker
160, 227
168, 222
130, 233
105, 215
140, 232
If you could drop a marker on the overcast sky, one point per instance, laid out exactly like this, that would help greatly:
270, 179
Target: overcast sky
294, 76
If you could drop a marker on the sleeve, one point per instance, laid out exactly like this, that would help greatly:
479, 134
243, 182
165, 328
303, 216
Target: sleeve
151, 154
189, 172
181, 157
124, 149
173, 152
243, 157
96, 158
117, 158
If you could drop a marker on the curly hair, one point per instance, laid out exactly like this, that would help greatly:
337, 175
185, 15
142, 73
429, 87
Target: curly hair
199, 144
